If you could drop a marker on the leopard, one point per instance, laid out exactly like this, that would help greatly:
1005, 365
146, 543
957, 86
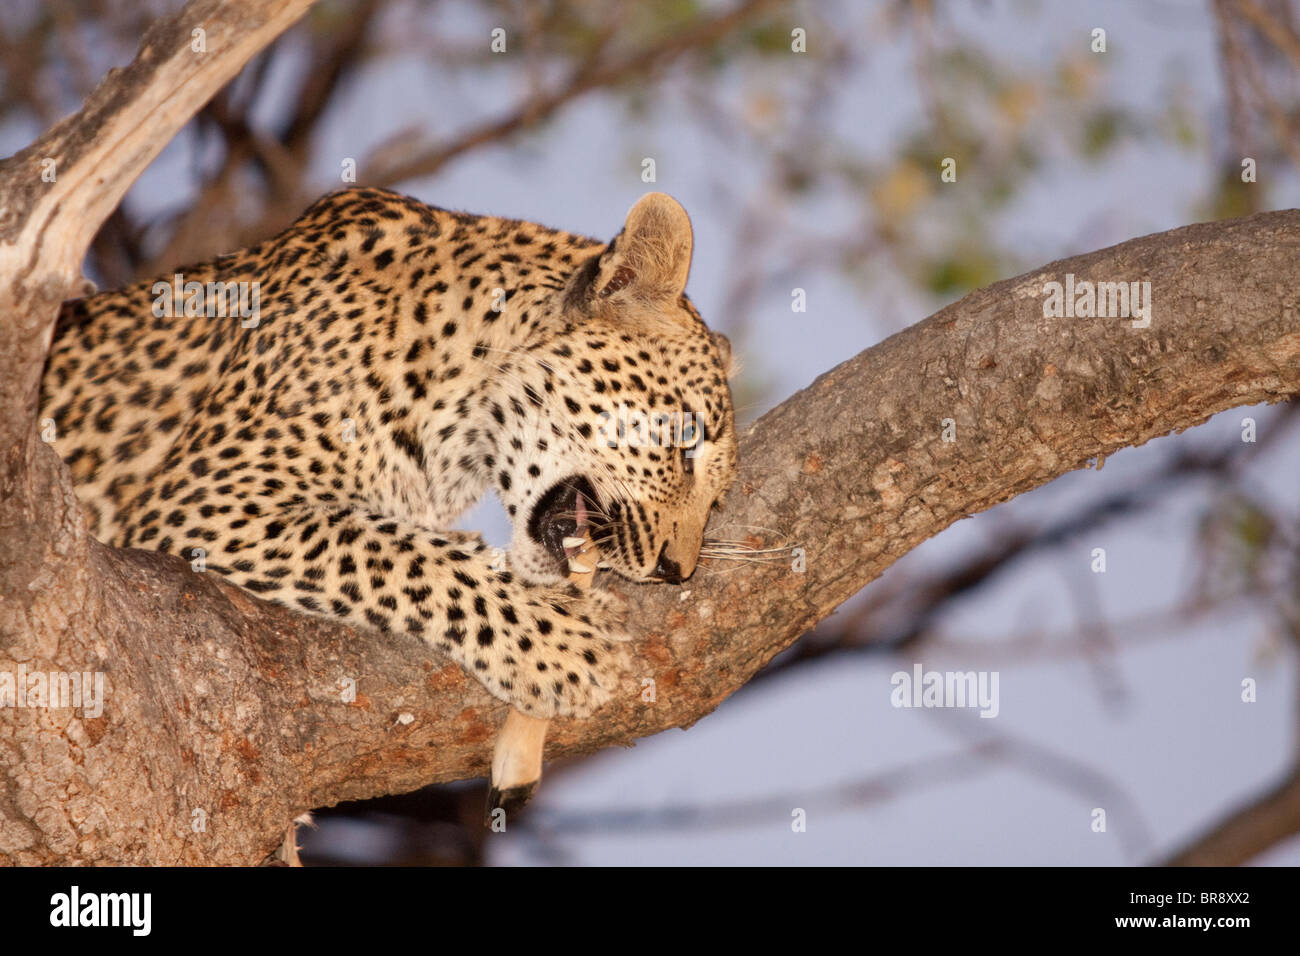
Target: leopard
309, 416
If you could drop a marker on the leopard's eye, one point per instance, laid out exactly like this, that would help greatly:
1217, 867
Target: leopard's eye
690, 438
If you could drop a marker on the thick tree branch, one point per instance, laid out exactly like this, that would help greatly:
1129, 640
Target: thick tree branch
220, 702
894, 619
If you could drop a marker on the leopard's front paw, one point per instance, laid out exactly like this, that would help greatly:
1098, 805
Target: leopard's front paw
576, 652
605, 609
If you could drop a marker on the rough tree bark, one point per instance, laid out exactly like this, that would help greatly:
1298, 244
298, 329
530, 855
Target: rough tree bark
219, 702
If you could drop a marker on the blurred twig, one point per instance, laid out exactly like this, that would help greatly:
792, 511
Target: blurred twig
588, 76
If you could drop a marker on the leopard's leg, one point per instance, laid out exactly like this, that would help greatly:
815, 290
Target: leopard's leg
549, 651
517, 757
516, 763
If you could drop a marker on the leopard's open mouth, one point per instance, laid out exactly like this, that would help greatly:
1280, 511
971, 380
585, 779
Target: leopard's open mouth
563, 518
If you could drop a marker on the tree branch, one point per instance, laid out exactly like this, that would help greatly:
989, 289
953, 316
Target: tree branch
897, 618
544, 104
1249, 830
1278, 33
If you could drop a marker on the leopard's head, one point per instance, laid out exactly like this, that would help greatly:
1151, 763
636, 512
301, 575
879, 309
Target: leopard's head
634, 442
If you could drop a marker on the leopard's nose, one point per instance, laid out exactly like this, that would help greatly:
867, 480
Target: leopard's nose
669, 570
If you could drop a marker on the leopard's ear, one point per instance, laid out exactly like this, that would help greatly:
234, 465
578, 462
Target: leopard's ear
730, 364
649, 260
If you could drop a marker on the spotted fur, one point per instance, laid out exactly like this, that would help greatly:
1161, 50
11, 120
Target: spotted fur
404, 360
